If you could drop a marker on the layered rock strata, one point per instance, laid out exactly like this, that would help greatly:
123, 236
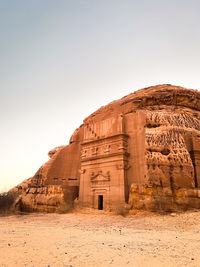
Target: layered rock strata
142, 150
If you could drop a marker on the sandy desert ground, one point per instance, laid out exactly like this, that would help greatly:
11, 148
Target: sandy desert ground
99, 239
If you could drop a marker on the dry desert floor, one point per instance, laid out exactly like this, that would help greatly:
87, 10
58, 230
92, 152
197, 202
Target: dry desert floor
100, 239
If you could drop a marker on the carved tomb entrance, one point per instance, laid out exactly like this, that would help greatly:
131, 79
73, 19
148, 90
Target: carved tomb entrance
103, 181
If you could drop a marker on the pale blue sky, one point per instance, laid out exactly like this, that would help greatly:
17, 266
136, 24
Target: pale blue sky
61, 60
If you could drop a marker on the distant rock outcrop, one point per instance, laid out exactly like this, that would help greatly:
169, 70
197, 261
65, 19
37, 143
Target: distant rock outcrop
142, 151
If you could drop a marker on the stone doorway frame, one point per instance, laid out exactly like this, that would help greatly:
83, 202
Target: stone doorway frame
95, 199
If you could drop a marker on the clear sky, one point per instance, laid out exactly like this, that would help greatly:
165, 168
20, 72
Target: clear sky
60, 60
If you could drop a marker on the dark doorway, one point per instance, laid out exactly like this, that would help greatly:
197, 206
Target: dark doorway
100, 202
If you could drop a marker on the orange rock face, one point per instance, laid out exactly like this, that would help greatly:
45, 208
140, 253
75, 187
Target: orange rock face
142, 150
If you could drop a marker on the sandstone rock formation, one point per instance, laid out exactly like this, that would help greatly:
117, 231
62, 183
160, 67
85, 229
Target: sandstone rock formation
142, 150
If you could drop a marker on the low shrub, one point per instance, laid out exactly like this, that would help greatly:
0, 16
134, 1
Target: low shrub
7, 199
122, 210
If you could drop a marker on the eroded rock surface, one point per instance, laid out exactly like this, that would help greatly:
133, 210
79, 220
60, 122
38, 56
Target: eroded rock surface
142, 151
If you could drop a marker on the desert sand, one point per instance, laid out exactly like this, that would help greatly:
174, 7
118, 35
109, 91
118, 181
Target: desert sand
100, 239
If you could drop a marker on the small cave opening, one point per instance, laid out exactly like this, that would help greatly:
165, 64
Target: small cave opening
165, 151
151, 125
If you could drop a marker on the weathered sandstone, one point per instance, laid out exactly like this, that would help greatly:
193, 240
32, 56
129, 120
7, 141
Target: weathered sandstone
142, 151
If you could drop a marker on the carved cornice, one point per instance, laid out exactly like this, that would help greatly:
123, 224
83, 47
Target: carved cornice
97, 157
116, 136
106, 147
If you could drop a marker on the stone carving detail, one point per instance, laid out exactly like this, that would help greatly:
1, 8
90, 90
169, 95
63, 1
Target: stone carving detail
106, 146
122, 146
82, 171
100, 176
123, 166
84, 153
94, 150
107, 149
